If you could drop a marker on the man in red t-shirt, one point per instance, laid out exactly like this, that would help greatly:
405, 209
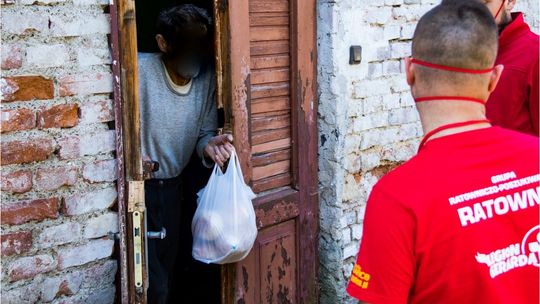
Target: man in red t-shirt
514, 104
459, 222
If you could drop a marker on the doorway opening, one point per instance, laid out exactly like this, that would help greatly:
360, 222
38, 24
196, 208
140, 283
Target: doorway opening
193, 281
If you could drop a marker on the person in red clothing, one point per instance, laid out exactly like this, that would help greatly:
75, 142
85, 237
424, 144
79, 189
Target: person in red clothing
459, 222
514, 104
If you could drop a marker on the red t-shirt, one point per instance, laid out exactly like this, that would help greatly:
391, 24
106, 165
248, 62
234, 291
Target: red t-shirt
458, 223
514, 103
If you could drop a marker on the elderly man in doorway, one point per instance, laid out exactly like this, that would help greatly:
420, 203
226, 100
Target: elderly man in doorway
178, 117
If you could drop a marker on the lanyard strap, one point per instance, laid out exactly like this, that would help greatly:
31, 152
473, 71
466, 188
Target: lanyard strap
449, 68
449, 126
460, 98
500, 9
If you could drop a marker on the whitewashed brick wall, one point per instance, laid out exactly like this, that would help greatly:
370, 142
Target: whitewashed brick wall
57, 153
367, 120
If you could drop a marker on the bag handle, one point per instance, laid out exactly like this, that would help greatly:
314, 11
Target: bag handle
236, 167
216, 172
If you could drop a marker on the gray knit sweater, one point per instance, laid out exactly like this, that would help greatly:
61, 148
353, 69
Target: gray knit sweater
173, 125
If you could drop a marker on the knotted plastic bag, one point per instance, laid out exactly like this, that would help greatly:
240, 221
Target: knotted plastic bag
224, 227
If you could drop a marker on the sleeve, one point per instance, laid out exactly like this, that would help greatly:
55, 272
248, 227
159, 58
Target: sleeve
384, 270
534, 99
209, 125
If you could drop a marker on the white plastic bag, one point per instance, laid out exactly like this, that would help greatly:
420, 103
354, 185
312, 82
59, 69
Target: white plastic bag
224, 227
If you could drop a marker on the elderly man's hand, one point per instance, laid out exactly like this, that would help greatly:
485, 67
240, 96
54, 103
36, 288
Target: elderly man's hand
219, 149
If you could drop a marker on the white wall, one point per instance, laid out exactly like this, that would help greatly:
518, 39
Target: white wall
531, 10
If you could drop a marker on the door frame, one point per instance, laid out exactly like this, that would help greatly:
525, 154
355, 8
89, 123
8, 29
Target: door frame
114, 42
130, 183
305, 102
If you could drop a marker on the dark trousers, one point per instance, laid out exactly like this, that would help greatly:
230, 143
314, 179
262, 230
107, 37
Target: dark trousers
164, 199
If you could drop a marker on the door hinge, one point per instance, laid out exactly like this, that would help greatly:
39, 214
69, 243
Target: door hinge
115, 236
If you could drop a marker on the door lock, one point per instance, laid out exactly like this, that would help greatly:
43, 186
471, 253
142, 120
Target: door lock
138, 249
157, 234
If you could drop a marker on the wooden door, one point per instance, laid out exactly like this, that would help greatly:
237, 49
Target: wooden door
267, 83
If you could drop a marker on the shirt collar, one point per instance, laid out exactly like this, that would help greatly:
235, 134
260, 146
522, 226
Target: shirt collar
516, 28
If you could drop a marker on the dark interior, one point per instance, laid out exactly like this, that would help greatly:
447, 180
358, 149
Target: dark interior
147, 12
194, 282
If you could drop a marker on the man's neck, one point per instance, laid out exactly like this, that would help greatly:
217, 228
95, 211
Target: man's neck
449, 112
175, 77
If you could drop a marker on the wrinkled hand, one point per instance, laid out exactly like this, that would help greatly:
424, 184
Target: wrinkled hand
219, 149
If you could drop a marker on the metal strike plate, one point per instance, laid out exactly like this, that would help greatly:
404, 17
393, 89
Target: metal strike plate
135, 196
137, 249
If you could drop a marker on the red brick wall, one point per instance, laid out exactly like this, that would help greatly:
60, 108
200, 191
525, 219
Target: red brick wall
58, 167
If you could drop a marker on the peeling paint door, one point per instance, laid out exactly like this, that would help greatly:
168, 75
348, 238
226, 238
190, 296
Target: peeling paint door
266, 66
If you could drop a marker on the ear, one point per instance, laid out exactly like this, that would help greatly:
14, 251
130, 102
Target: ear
162, 43
494, 78
510, 5
409, 71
